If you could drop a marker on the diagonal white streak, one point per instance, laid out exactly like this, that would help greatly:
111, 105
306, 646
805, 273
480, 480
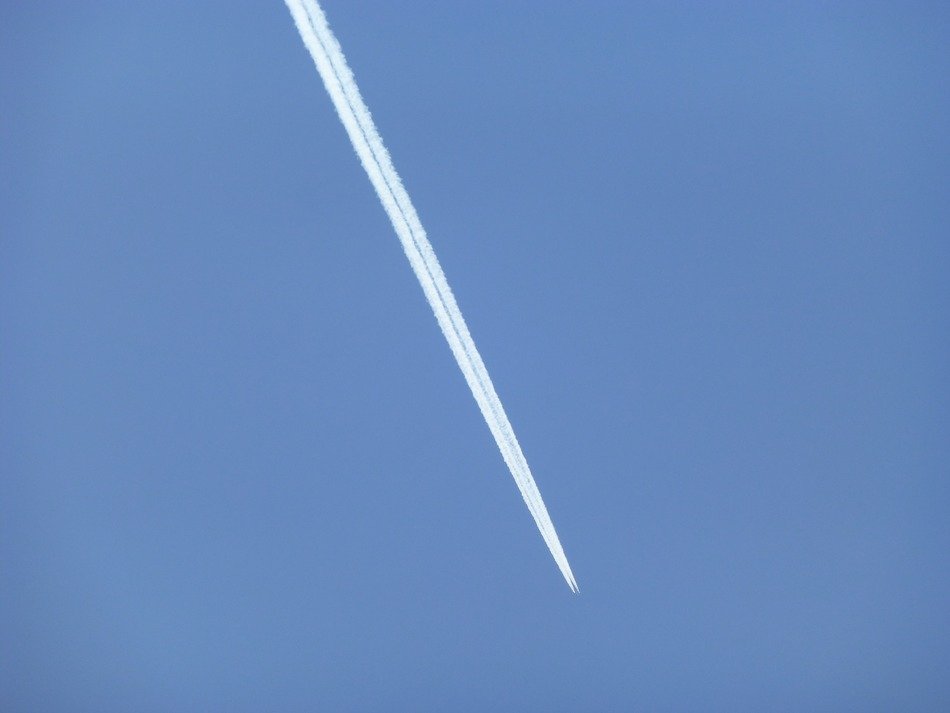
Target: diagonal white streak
356, 119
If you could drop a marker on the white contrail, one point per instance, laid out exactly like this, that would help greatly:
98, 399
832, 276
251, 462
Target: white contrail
340, 84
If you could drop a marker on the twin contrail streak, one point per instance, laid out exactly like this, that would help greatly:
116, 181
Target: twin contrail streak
340, 84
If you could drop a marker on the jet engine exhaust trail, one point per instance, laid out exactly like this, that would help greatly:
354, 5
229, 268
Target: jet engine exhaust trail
341, 86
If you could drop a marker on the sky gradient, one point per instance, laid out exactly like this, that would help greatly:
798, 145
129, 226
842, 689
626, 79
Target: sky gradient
704, 254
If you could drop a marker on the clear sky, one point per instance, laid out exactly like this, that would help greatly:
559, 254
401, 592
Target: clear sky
703, 248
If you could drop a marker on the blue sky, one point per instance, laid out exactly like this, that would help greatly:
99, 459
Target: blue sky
702, 248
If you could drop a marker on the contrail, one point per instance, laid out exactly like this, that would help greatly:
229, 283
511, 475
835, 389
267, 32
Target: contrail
340, 84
